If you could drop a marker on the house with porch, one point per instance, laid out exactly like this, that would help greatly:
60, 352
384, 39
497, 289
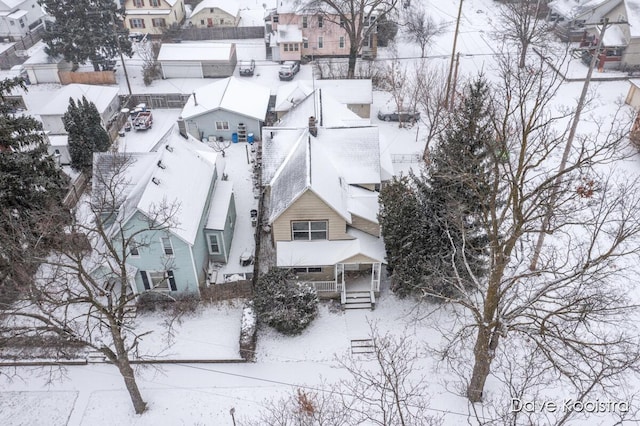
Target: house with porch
322, 183
153, 16
296, 31
571, 16
175, 259
215, 13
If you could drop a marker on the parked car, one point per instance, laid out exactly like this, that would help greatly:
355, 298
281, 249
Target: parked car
404, 116
288, 70
247, 68
136, 36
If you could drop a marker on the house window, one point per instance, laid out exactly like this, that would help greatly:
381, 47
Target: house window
320, 42
138, 3
222, 125
12, 22
320, 21
286, 47
214, 244
202, 22
342, 21
305, 43
154, 3
311, 270
341, 43
309, 230
21, 23
133, 248
275, 19
158, 280
305, 24
158, 22
136, 23
166, 246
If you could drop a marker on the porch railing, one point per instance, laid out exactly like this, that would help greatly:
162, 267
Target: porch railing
324, 286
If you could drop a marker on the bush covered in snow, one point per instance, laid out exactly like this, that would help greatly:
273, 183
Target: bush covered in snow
283, 303
248, 332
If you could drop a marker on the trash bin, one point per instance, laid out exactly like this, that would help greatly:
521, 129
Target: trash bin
234, 137
250, 138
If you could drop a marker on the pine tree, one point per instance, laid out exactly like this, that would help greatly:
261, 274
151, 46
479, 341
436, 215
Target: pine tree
86, 134
86, 30
32, 188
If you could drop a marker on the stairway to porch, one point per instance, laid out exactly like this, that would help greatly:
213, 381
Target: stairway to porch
359, 300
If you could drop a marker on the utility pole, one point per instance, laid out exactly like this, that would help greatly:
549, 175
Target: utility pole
453, 54
124, 66
567, 149
454, 84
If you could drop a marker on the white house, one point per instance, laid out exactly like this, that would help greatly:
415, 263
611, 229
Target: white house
18, 17
215, 13
104, 97
197, 60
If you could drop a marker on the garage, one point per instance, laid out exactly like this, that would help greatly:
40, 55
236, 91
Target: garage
197, 60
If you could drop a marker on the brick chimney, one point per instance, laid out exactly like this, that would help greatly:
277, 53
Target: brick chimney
313, 129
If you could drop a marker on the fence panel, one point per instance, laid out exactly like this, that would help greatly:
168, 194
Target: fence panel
87, 77
221, 33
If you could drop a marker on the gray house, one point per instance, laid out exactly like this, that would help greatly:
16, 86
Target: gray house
174, 260
231, 109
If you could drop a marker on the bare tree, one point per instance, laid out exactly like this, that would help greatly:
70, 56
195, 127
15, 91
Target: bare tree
421, 28
429, 98
595, 241
395, 79
148, 52
356, 17
84, 292
521, 24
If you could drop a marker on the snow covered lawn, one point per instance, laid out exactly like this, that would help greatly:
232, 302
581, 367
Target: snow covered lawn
52, 408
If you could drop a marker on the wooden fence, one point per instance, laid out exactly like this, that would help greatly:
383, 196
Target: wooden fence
156, 100
78, 186
14, 55
88, 77
220, 33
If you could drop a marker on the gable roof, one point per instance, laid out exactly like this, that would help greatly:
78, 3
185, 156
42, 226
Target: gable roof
231, 94
227, 6
101, 96
573, 9
328, 111
633, 17
196, 51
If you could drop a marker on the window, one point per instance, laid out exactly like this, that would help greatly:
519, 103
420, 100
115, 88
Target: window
305, 43
320, 21
286, 47
305, 24
138, 3
311, 270
275, 19
222, 125
154, 3
320, 43
12, 22
342, 21
202, 22
158, 22
309, 230
21, 23
133, 248
158, 280
291, 47
166, 246
214, 244
341, 43
136, 23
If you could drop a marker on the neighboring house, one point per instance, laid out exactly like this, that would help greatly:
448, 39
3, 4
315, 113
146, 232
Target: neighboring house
153, 16
295, 32
322, 186
357, 95
215, 13
42, 68
633, 96
18, 17
104, 97
184, 174
570, 16
197, 60
226, 108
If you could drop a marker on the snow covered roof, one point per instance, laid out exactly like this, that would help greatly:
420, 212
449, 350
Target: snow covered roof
288, 6
633, 17
10, 4
328, 111
364, 203
219, 208
290, 94
276, 146
251, 17
231, 94
196, 51
572, 9
101, 96
38, 56
289, 34
17, 14
352, 91
614, 36
329, 252
230, 7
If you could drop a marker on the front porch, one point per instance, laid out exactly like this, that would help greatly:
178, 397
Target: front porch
356, 284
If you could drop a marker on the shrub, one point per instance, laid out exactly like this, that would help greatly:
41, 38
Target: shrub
283, 303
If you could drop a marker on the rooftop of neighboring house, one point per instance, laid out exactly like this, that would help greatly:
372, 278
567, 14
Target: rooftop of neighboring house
101, 96
633, 16
354, 91
229, 6
179, 174
231, 94
289, 34
11, 4
575, 8
196, 51
327, 110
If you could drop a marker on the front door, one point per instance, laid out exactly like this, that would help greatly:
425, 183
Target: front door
209, 22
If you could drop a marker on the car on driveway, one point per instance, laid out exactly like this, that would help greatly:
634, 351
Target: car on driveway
404, 116
134, 36
288, 70
246, 68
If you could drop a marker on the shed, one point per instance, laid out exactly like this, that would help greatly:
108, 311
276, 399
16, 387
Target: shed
42, 68
197, 60
59, 148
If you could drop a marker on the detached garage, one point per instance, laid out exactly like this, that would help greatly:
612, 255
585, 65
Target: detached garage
197, 60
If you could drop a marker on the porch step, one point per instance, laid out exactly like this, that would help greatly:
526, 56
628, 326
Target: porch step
363, 305
362, 346
358, 300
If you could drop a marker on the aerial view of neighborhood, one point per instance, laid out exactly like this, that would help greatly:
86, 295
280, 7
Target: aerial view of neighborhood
319, 212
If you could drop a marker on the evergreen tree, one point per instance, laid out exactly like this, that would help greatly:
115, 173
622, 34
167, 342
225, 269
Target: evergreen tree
31, 192
86, 134
86, 30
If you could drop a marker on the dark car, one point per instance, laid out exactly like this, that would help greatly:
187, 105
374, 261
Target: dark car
404, 116
136, 36
246, 68
288, 70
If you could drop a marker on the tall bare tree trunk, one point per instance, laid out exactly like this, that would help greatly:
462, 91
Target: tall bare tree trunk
353, 56
523, 55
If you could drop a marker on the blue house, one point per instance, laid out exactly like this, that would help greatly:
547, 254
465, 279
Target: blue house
183, 181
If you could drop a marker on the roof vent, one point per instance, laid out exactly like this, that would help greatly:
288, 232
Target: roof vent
168, 148
155, 180
161, 164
